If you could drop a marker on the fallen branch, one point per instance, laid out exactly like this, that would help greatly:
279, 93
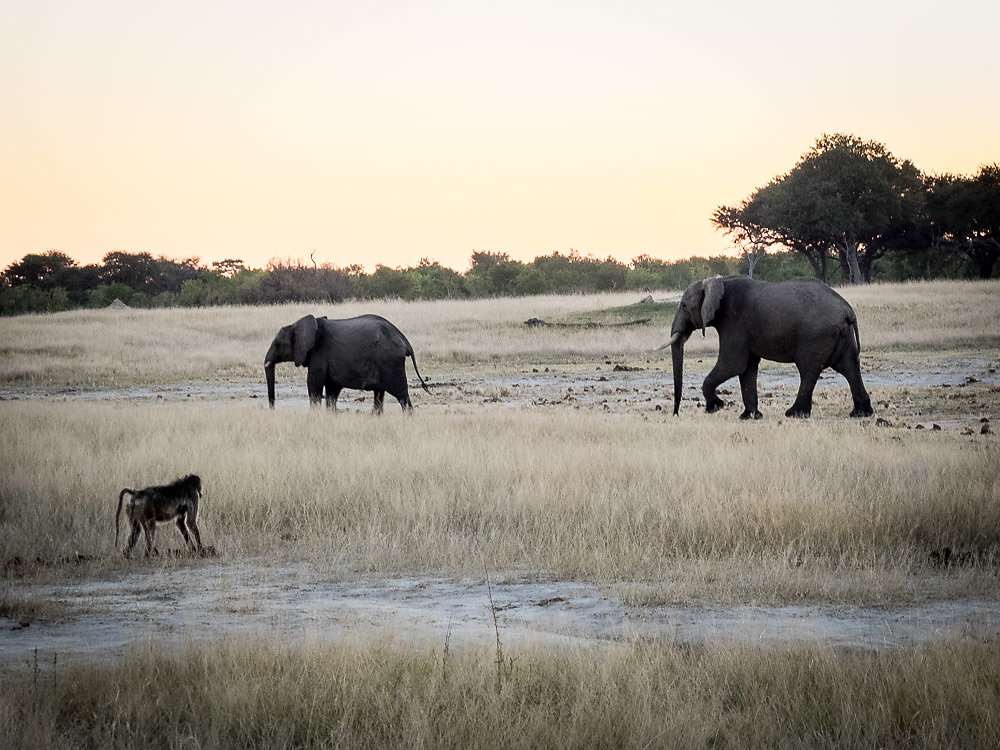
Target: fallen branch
538, 322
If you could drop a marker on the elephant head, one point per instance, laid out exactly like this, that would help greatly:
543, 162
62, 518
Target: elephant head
291, 344
697, 309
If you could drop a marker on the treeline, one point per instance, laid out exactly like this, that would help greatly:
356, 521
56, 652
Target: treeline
848, 204
52, 281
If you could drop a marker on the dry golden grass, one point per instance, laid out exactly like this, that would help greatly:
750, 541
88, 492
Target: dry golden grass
928, 316
664, 509
252, 694
564, 492
122, 348
129, 347
680, 503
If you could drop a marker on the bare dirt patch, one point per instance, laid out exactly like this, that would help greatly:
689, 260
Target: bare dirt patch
297, 602
919, 388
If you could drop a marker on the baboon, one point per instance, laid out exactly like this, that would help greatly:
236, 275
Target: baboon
177, 500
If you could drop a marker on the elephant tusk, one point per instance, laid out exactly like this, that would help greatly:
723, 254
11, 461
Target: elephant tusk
268, 364
673, 340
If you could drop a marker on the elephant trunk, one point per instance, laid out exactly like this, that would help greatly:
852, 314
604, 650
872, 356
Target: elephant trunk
269, 375
677, 357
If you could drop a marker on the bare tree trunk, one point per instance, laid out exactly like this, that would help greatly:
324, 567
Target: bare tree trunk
849, 255
817, 259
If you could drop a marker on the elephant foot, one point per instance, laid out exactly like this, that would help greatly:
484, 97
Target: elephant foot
798, 412
751, 415
862, 411
714, 404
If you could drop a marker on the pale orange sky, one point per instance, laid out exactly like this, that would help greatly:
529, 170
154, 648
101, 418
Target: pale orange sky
387, 132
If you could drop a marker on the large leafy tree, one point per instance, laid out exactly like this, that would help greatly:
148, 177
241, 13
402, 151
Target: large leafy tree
135, 270
964, 217
41, 270
846, 198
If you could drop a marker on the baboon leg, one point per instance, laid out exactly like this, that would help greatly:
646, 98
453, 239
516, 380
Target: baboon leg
184, 532
194, 530
150, 529
192, 523
132, 539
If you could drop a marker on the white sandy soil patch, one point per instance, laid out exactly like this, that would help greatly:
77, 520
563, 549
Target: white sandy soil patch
297, 603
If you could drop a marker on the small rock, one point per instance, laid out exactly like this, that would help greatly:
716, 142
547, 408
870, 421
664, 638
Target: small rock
985, 430
936, 427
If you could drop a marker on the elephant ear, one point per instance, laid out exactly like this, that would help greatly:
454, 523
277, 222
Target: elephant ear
714, 289
304, 338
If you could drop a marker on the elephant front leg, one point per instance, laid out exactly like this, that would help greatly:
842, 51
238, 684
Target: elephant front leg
314, 384
719, 375
748, 386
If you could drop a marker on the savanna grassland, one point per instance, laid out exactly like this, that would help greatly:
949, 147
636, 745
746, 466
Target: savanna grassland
543, 451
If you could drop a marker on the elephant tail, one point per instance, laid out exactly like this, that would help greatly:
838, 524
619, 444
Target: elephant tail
857, 335
413, 358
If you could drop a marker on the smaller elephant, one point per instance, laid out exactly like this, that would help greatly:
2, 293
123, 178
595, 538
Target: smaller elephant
802, 321
366, 353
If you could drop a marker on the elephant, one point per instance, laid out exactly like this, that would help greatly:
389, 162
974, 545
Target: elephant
367, 353
802, 321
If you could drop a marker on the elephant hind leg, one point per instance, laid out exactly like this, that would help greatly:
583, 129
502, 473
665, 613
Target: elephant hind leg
808, 376
332, 394
402, 395
379, 401
850, 367
397, 387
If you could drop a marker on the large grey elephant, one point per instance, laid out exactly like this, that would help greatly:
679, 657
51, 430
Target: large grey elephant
367, 353
802, 321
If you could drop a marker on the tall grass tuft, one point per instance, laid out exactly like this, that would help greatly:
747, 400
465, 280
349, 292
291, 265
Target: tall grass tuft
253, 694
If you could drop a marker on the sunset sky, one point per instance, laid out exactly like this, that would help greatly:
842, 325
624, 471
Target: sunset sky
386, 132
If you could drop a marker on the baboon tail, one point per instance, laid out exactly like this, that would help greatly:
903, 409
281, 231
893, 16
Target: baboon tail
121, 497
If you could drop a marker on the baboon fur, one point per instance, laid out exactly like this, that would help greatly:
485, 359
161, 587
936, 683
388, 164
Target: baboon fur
151, 505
